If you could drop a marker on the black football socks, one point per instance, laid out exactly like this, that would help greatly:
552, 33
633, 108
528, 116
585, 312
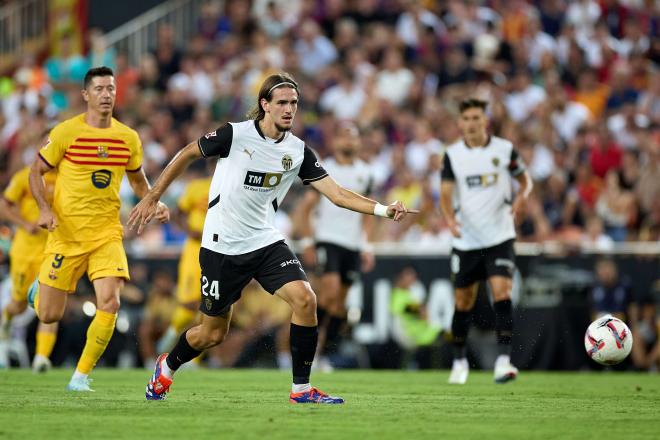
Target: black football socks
181, 353
303, 348
460, 325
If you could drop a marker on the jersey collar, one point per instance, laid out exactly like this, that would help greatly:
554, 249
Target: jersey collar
256, 125
488, 139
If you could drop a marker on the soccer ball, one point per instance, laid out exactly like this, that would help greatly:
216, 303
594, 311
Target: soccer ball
608, 340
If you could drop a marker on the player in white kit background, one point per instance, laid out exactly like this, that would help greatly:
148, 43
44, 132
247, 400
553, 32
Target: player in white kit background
478, 202
335, 240
257, 161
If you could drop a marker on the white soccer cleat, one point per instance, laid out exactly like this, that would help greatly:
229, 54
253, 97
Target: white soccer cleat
79, 385
41, 364
504, 372
459, 372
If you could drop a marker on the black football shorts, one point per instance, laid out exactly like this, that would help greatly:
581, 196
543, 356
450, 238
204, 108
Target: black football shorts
225, 276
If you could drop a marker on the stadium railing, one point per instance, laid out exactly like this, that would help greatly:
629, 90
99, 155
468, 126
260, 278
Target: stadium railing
137, 36
22, 29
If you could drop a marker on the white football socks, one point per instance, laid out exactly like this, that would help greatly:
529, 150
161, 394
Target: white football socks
300, 387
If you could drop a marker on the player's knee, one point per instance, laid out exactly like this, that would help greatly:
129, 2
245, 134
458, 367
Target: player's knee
501, 295
464, 303
50, 316
305, 302
109, 305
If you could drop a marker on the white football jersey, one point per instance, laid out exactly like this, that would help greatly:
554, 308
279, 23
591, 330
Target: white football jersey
251, 178
483, 191
338, 225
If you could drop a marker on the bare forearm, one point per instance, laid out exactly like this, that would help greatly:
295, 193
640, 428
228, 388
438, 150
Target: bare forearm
139, 183
446, 206
354, 201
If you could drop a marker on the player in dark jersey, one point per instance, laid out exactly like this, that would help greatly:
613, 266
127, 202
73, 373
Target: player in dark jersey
258, 160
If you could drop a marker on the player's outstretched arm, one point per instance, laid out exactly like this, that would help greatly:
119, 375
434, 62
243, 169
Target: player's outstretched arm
46, 219
345, 198
147, 208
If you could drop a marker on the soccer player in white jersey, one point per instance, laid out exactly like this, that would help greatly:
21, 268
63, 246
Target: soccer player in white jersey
479, 206
257, 161
337, 249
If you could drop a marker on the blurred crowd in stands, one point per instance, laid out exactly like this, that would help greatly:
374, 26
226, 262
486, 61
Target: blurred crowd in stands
574, 84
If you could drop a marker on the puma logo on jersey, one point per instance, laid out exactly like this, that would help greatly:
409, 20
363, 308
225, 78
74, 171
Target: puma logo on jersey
248, 152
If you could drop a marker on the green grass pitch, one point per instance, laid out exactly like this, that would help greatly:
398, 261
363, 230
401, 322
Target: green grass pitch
253, 404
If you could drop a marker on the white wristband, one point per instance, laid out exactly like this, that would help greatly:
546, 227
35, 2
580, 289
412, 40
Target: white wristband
380, 210
306, 242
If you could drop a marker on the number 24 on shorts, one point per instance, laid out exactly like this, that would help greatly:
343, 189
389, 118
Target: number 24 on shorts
214, 285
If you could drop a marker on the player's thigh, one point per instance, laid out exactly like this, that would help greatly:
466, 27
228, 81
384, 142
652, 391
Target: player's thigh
500, 266
22, 272
189, 284
107, 291
467, 268
61, 272
279, 266
223, 278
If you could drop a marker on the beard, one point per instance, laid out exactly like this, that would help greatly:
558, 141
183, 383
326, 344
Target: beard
282, 128
348, 153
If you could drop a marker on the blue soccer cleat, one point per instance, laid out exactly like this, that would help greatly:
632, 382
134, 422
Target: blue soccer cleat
314, 396
32, 292
159, 384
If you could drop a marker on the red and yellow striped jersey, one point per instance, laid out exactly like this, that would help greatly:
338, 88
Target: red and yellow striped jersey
91, 163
